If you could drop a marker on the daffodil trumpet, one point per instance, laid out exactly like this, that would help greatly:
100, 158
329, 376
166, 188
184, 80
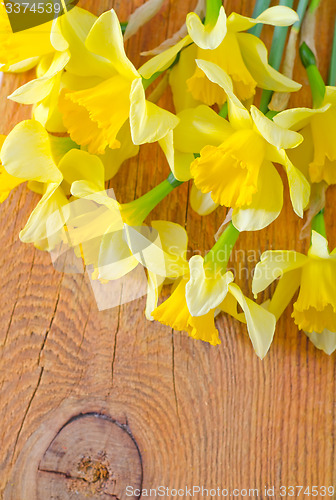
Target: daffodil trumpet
205, 290
249, 142
314, 275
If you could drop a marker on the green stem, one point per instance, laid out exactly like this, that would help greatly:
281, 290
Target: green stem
212, 11
318, 224
136, 211
259, 7
221, 251
301, 10
332, 72
148, 81
123, 27
224, 110
275, 56
313, 5
315, 79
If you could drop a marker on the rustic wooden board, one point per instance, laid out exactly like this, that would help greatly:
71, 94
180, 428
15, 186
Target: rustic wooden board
178, 411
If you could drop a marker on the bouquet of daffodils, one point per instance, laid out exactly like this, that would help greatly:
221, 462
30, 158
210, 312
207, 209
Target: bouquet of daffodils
91, 111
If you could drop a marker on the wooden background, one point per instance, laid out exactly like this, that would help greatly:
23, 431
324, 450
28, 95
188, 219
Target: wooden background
93, 401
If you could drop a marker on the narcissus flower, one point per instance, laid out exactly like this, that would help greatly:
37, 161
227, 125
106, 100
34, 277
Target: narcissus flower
112, 238
314, 275
204, 291
95, 115
236, 159
22, 50
7, 181
316, 156
241, 55
50, 172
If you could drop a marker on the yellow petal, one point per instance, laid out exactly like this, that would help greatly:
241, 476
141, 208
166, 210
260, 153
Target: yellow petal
323, 165
272, 265
23, 46
149, 123
178, 76
200, 127
174, 243
202, 203
75, 27
284, 292
228, 57
7, 183
38, 89
174, 311
303, 155
266, 203
275, 16
90, 217
106, 40
95, 116
205, 290
207, 36
162, 61
326, 340
203, 328
179, 162
153, 290
48, 217
79, 165
299, 187
254, 54
273, 133
114, 158
26, 153
319, 246
230, 171
115, 258
315, 308
297, 118
238, 114
260, 322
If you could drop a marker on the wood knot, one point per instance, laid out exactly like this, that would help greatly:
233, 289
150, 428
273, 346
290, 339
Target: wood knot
92, 456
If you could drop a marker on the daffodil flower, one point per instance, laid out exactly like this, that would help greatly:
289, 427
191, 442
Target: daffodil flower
112, 238
7, 182
207, 289
50, 165
95, 115
314, 310
241, 55
22, 50
236, 158
316, 157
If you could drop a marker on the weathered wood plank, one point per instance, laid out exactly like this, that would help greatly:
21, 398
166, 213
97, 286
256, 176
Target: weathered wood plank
199, 414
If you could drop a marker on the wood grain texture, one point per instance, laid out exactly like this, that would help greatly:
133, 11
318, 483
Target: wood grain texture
199, 415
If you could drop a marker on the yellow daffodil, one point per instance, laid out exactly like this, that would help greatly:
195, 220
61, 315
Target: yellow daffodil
317, 155
51, 165
314, 275
241, 55
201, 294
112, 238
22, 50
236, 158
95, 115
64, 68
7, 181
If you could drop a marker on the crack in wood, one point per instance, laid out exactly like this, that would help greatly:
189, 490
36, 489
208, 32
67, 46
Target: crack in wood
15, 303
173, 373
27, 410
116, 336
